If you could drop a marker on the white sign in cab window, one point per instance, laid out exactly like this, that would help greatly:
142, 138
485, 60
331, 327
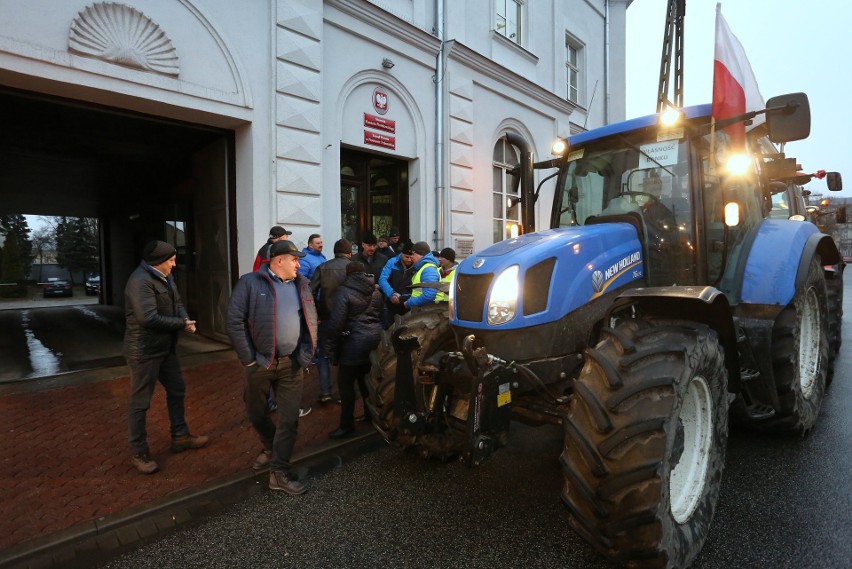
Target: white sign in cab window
658, 154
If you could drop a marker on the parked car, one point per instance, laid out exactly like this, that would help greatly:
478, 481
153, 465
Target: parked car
93, 285
58, 287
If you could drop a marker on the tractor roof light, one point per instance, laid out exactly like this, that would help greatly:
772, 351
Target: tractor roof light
738, 164
670, 117
559, 147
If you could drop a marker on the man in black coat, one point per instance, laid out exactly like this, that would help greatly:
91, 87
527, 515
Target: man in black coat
272, 323
372, 259
327, 278
354, 331
155, 315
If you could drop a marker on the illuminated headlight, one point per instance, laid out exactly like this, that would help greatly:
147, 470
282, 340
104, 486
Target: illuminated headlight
504, 297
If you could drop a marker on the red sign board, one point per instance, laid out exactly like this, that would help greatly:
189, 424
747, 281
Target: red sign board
379, 123
379, 139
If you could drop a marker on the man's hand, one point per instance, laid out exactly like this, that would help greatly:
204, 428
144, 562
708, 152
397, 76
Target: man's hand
395, 298
189, 325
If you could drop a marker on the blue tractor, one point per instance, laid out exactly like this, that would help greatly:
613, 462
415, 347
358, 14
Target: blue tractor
663, 301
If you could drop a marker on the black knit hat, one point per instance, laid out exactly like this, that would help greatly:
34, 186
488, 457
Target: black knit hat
394, 231
407, 247
448, 253
157, 252
355, 267
369, 238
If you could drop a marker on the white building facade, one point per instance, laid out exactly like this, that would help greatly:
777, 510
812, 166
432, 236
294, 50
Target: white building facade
334, 117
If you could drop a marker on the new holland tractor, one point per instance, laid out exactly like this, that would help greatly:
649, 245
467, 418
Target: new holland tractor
662, 301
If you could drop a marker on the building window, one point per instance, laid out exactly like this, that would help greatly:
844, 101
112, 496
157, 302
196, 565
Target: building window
508, 19
573, 62
506, 209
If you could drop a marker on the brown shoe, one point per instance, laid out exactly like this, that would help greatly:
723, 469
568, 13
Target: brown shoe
144, 463
262, 460
281, 481
188, 441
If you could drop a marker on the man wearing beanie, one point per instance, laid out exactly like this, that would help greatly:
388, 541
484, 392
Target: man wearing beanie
448, 266
155, 315
372, 259
394, 282
272, 323
324, 283
276, 233
425, 271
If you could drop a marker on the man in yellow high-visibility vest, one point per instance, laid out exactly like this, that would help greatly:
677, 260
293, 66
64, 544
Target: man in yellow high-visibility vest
425, 271
448, 266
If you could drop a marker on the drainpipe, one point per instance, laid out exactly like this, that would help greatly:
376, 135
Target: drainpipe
606, 63
440, 194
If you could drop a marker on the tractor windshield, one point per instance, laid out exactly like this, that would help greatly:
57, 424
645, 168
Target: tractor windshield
632, 176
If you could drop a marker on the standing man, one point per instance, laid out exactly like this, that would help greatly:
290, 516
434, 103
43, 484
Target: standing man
272, 323
425, 271
313, 256
373, 261
276, 233
446, 270
393, 242
327, 278
155, 315
394, 283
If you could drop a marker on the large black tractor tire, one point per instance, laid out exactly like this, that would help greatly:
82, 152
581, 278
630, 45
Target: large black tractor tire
430, 325
645, 440
834, 298
800, 356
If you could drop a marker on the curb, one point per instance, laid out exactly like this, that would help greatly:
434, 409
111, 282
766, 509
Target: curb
98, 541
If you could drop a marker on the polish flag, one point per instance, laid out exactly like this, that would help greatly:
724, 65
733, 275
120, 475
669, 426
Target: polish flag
735, 89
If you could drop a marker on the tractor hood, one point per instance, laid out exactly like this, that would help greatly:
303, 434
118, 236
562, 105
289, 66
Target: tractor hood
559, 270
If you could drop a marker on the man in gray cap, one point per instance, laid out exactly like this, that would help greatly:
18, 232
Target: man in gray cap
155, 315
272, 323
276, 233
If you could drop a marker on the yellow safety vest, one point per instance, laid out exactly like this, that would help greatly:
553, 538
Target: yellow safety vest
417, 291
443, 296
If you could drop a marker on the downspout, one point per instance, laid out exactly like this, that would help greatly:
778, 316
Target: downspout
440, 194
606, 63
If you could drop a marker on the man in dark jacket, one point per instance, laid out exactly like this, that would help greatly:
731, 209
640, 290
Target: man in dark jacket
324, 283
373, 260
155, 315
355, 329
276, 233
272, 323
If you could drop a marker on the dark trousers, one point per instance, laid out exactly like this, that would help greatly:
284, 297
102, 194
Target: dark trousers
285, 380
143, 378
346, 378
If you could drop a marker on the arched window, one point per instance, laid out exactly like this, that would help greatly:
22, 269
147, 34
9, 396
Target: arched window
506, 209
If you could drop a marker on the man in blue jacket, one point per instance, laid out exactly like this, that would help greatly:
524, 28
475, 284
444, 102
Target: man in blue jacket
313, 256
425, 271
272, 323
394, 282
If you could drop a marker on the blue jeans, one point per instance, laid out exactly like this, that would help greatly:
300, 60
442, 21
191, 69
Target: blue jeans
285, 379
143, 378
323, 365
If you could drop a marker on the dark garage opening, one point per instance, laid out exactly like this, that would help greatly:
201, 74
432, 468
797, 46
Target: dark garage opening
142, 178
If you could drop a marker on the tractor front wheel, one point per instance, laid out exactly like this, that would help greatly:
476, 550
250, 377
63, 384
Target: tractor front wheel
645, 438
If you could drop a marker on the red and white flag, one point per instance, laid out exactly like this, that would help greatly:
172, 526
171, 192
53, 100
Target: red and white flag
735, 89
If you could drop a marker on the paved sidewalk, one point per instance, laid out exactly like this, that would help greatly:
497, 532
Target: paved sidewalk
64, 456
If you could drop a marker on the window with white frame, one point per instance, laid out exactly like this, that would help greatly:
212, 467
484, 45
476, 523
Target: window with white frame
506, 207
508, 19
573, 68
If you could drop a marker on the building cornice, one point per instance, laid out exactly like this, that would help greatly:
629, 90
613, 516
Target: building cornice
488, 68
388, 23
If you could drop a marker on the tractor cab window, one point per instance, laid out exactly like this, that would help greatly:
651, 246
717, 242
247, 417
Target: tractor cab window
647, 179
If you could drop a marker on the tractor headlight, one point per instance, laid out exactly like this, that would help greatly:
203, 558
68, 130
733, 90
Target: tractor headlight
503, 301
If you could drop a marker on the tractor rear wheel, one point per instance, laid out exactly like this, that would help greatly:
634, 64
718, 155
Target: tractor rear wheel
800, 355
645, 440
430, 325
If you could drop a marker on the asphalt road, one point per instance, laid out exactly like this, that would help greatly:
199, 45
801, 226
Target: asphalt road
785, 503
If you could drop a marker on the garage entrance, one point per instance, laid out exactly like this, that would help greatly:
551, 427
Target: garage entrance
142, 177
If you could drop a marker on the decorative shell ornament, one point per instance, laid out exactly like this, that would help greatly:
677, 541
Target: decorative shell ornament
123, 35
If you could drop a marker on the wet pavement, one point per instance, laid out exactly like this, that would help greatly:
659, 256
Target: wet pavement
68, 489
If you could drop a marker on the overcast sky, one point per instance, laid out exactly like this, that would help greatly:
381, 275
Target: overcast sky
792, 46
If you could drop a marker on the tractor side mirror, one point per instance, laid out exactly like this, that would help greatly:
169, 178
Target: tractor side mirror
788, 117
834, 181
